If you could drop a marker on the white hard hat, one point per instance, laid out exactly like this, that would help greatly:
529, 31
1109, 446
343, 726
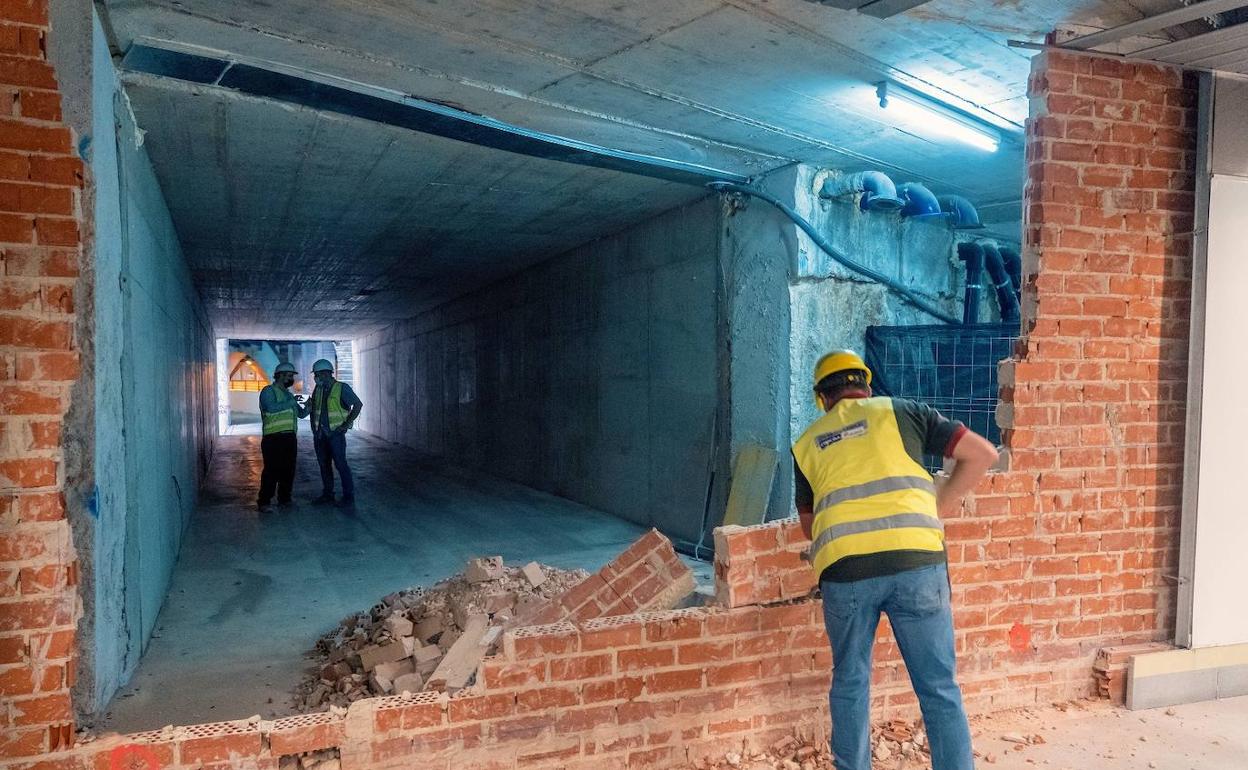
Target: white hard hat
285, 366
322, 365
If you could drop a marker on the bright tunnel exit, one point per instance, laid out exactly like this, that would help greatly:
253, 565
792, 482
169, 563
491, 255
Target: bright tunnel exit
245, 367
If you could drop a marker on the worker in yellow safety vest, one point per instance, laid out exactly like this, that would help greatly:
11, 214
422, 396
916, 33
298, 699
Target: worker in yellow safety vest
873, 513
334, 410
280, 411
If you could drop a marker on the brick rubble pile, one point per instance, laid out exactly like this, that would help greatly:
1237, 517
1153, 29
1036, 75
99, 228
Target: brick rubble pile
428, 638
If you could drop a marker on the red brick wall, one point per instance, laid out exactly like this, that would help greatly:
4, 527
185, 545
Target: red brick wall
1065, 553
40, 184
1075, 548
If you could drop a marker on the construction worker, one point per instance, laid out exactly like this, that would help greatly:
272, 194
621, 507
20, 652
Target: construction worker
280, 412
334, 409
874, 515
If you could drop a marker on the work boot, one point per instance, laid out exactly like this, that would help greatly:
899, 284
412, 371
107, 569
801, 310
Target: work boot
264, 508
323, 500
285, 503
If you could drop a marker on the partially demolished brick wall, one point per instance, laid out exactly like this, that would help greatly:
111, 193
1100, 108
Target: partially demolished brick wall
648, 575
1067, 552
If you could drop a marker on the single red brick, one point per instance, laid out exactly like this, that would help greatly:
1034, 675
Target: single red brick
674, 681
481, 707
545, 698
221, 748
32, 614
583, 720
23, 135
41, 580
40, 105
57, 231
610, 637
304, 738
704, 652
23, 544
581, 667
56, 366
15, 228
36, 199
19, 295
646, 658
23, 743
16, 681
43, 506
46, 709
33, 333
500, 673
732, 673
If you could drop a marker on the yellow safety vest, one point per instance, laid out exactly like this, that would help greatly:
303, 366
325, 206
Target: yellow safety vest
286, 418
871, 496
337, 415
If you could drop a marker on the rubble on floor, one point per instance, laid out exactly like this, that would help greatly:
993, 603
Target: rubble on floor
428, 638
434, 639
900, 744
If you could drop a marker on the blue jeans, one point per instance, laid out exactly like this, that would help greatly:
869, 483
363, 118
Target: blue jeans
917, 603
331, 453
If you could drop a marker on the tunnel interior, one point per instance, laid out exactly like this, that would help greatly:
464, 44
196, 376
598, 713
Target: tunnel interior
556, 348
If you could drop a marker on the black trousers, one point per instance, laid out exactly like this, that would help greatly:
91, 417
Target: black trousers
278, 450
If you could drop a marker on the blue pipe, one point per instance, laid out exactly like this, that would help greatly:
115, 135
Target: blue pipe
1006, 298
880, 194
831, 251
920, 203
961, 212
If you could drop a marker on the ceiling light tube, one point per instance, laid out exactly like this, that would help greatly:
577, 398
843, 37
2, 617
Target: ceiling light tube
932, 117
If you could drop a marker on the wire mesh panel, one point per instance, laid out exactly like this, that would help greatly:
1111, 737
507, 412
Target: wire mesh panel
951, 368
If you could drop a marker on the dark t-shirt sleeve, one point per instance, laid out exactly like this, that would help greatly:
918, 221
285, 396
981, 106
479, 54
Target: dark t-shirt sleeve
803, 495
349, 399
926, 430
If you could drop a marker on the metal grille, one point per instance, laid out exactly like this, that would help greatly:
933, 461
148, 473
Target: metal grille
951, 368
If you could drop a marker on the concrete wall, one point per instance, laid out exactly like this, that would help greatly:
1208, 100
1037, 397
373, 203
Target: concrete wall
592, 375
154, 394
832, 306
788, 302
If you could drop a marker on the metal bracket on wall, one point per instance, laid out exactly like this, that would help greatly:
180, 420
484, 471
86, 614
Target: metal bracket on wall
293, 85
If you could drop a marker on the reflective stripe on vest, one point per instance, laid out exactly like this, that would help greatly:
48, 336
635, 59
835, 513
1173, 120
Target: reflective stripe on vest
285, 419
337, 415
870, 494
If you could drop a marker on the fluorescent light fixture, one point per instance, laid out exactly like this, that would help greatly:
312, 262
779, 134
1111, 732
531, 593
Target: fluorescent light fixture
926, 115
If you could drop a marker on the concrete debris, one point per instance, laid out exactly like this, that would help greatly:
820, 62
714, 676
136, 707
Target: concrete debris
484, 569
421, 639
533, 573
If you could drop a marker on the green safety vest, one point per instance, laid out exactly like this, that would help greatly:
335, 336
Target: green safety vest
286, 418
337, 415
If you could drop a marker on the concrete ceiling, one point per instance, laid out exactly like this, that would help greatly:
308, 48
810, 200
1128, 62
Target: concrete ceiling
301, 223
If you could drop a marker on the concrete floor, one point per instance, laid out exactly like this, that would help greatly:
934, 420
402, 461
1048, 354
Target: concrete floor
251, 593
1197, 736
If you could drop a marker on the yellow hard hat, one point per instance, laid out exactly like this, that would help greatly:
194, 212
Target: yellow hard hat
839, 361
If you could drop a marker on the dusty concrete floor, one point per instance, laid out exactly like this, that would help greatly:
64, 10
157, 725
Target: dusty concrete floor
1094, 734
251, 592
